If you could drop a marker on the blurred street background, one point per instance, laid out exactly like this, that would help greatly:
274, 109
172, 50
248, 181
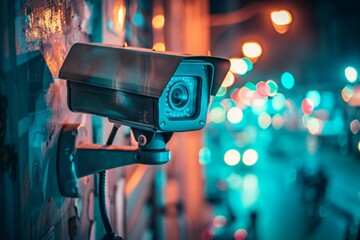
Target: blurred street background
280, 154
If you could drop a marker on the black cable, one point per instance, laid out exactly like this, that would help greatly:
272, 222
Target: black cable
102, 199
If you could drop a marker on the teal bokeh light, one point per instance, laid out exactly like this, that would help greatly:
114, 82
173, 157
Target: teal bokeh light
248, 63
287, 80
315, 97
217, 114
278, 102
250, 86
272, 88
138, 19
205, 156
221, 92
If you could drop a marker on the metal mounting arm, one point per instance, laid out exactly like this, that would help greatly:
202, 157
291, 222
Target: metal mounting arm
76, 159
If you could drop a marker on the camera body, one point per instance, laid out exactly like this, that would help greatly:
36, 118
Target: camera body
141, 88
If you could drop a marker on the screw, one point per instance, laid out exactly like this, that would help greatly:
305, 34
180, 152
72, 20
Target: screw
142, 140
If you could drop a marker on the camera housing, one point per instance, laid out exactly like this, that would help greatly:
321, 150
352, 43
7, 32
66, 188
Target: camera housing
141, 88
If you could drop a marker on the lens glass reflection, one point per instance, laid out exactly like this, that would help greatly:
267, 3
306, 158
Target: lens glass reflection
181, 97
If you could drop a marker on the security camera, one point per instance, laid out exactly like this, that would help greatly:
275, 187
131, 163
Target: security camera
141, 88
155, 93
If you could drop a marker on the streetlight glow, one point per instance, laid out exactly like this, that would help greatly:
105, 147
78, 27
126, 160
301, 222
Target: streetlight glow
281, 17
281, 20
238, 65
252, 50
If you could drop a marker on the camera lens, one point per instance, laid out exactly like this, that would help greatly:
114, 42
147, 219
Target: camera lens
178, 96
181, 97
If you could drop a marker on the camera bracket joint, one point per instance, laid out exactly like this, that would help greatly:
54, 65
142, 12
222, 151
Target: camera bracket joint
76, 159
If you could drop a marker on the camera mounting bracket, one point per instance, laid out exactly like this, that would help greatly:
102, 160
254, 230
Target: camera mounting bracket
76, 159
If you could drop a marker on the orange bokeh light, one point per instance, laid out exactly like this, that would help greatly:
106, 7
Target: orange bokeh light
252, 50
281, 20
229, 80
119, 13
159, 46
158, 21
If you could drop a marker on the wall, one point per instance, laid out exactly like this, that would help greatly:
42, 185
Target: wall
36, 38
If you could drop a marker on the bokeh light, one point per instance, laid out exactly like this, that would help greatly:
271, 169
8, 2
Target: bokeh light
229, 80
277, 121
278, 102
252, 50
138, 19
219, 221
158, 21
234, 95
272, 88
355, 126
287, 80
262, 88
347, 93
250, 190
221, 92
159, 46
204, 156
232, 157
250, 86
234, 90
250, 157
351, 74
281, 17
314, 96
260, 103
307, 106
264, 120
281, 21
217, 114
228, 103
290, 105
249, 63
246, 95
259, 106
314, 125
240, 234
121, 14
235, 115
234, 181
238, 65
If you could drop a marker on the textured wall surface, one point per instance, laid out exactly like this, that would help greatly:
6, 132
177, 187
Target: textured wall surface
37, 40
36, 37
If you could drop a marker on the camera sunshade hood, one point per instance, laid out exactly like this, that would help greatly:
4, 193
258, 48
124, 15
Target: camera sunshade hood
135, 70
